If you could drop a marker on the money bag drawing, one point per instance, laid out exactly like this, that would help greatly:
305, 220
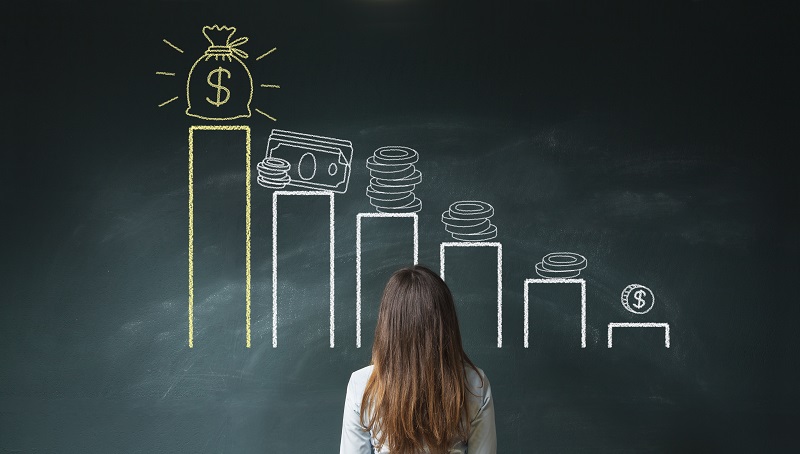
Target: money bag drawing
220, 86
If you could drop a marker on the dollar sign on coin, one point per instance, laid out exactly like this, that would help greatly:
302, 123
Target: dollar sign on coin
218, 86
638, 295
643, 296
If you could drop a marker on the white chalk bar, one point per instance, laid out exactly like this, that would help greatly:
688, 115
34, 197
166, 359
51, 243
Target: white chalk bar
526, 296
499, 247
359, 217
611, 327
332, 274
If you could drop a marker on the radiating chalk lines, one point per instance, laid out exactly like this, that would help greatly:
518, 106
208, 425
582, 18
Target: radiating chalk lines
215, 84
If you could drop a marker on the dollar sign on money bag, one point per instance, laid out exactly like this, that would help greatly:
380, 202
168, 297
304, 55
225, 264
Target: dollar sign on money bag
639, 295
220, 86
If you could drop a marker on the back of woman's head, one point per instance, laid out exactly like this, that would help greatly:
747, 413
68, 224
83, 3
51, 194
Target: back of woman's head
416, 396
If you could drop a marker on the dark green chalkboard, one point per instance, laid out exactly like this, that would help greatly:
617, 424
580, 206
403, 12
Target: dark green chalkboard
655, 139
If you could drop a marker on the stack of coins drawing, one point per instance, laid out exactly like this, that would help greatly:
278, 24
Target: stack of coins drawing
273, 173
468, 220
394, 177
561, 265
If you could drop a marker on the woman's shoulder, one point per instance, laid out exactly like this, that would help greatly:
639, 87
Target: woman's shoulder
476, 378
362, 374
359, 378
480, 394
477, 382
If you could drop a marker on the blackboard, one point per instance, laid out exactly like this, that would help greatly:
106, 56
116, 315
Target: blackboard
655, 139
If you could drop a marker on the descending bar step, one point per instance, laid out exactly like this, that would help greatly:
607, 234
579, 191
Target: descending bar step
359, 217
499, 246
275, 195
581, 282
611, 327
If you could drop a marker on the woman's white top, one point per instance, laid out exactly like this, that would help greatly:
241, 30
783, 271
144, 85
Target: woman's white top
480, 411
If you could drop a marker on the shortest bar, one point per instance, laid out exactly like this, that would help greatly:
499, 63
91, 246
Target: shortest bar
611, 327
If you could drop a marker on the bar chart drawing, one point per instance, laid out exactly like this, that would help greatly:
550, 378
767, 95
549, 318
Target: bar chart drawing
359, 217
246, 130
526, 297
611, 327
499, 247
275, 195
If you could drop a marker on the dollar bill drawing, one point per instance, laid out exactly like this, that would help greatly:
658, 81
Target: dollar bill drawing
316, 162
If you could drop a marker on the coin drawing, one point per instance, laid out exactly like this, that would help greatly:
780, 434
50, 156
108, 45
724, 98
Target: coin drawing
393, 180
469, 220
561, 265
637, 298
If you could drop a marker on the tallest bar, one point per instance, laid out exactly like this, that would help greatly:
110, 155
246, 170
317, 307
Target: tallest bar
193, 149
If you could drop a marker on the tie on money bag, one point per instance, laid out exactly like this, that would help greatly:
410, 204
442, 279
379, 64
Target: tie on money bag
220, 86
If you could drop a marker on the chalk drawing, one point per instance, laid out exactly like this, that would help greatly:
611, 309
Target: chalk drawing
169, 74
554, 281
331, 213
266, 53
469, 220
208, 92
359, 217
499, 247
315, 162
643, 299
246, 129
273, 173
172, 46
561, 265
611, 327
393, 179
219, 85
168, 101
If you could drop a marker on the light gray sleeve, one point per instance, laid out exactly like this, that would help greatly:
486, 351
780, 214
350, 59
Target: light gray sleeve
355, 440
483, 436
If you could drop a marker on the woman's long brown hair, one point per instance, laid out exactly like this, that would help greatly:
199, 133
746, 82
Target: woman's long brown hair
416, 395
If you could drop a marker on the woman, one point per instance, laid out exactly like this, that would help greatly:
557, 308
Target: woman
422, 393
